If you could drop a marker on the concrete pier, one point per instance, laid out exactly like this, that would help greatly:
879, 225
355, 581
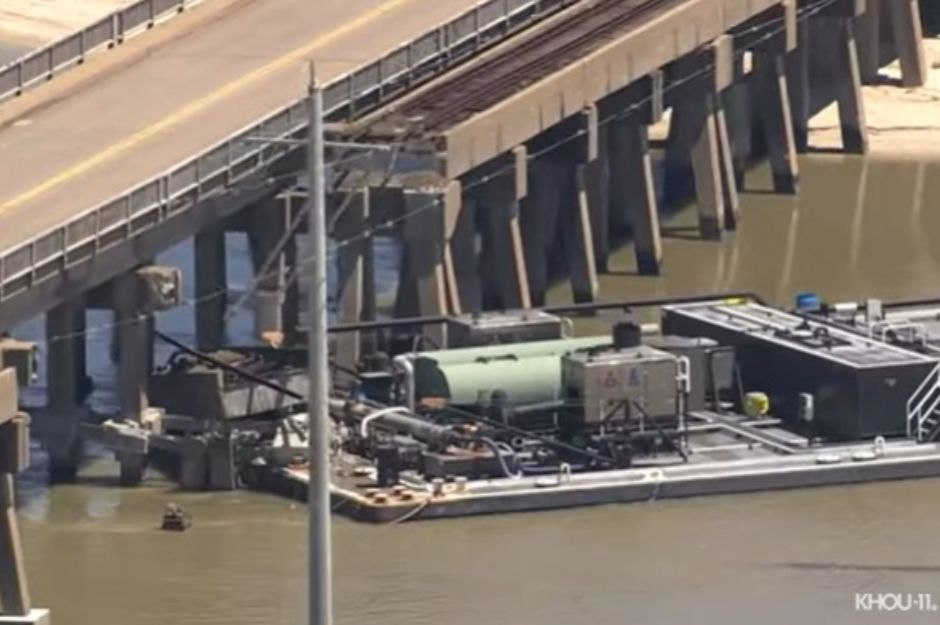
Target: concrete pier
461, 273
908, 37
351, 214
503, 248
134, 297
598, 185
729, 183
693, 146
65, 374
773, 105
582, 155
422, 290
539, 218
799, 87
134, 369
847, 82
15, 601
739, 116
267, 226
869, 33
633, 191
211, 284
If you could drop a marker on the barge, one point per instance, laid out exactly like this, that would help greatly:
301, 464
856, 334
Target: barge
723, 395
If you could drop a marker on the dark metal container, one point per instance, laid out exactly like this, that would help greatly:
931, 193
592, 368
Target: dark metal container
860, 387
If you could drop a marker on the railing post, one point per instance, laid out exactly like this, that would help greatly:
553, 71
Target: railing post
115, 29
151, 4
409, 62
476, 27
82, 45
97, 231
181, 7
19, 78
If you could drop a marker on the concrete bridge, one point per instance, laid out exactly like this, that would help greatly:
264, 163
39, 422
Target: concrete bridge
540, 140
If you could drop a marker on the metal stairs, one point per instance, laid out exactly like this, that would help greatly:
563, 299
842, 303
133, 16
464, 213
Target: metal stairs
923, 416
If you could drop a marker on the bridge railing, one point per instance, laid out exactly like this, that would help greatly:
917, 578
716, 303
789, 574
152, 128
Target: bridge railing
236, 157
44, 63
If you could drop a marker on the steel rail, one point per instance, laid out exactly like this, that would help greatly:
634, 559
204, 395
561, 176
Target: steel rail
502, 75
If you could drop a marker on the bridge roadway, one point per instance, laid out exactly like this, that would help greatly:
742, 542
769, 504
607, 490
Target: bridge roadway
126, 116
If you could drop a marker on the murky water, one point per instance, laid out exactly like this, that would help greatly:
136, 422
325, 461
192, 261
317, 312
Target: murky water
857, 229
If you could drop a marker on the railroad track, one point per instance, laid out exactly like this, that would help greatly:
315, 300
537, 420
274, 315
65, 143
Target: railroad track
486, 84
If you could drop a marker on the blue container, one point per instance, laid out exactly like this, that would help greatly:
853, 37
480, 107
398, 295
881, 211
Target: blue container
808, 302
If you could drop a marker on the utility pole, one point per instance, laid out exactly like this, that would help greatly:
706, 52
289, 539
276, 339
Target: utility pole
318, 498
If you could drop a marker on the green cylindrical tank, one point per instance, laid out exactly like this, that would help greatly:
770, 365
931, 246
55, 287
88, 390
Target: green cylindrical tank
528, 372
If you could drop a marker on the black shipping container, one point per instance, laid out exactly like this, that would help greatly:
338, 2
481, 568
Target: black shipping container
860, 387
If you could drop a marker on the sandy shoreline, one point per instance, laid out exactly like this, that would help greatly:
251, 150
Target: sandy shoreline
902, 122
29, 23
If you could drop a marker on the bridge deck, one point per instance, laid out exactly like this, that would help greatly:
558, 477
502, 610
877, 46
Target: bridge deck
127, 116
452, 100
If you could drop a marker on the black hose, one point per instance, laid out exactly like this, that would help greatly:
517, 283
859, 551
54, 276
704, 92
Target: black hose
489, 442
548, 442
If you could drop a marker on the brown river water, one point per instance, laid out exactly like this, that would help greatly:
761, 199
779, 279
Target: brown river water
858, 228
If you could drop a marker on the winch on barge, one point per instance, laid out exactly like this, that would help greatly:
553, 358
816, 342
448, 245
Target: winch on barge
559, 422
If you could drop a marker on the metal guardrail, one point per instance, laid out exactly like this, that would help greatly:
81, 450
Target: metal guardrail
234, 158
44, 63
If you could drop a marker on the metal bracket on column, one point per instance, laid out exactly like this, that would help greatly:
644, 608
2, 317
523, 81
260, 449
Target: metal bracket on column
520, 157
589, 126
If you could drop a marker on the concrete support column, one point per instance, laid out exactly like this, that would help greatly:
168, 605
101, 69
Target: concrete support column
14, 593
423, 291
134, 368
290, 310
65, 375
634, 190
351, 263
267, 225
582, 263
464, 285
869, 41
847, 84
799, 87
539, 220
740, 120
505, 252
598, 185
773, 104
693, 138
581, 258
729, 183
908, 41
211, 283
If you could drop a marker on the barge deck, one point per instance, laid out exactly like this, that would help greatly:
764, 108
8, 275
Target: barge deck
730, 454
